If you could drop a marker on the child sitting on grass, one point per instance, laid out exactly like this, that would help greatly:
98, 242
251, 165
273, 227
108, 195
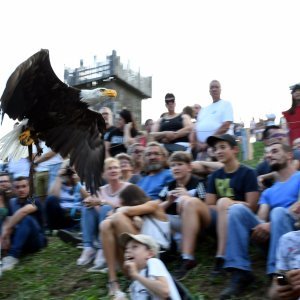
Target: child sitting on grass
151, 279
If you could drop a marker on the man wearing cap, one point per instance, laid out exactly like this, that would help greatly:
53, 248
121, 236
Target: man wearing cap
272, 220
292, 115
151, 277
232, 184
214, 119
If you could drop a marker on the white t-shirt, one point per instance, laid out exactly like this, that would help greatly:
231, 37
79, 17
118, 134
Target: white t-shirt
212, 117
156, 268
149, 228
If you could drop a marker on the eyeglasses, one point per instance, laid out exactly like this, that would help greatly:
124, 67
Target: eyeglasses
4, 181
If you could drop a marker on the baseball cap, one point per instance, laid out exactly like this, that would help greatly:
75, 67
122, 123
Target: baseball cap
213, 139
140, 238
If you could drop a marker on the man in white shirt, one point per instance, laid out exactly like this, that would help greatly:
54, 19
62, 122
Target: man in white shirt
214, 119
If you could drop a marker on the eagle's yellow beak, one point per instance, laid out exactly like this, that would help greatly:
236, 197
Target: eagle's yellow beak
110, 93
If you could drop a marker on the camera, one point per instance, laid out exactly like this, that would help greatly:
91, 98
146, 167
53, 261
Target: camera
281, 279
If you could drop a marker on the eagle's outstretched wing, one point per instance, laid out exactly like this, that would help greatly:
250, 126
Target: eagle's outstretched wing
57, 114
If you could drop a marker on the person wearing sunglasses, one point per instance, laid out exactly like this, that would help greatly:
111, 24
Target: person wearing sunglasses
172, 129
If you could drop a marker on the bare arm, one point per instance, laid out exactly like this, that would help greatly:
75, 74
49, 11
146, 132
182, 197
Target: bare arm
18, 217
107, 147
147, 208
56, 187
45, 157
223, 128
128, 139
263, 212
251, 200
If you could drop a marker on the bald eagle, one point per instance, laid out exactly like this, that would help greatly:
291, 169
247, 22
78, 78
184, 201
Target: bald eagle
60, 115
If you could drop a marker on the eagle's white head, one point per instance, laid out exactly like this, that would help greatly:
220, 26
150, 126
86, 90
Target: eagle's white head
96, 96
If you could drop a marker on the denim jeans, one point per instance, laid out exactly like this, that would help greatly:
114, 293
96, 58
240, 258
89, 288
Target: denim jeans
90, 220
241, 220
27, 237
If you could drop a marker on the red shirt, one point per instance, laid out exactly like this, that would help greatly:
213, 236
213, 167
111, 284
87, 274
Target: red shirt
293, 121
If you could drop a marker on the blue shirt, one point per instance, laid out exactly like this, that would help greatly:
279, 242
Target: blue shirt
153, 184
282, 194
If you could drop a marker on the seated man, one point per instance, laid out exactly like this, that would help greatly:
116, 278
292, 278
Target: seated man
271, 222
181, 199
64, 202
158, 176
22, 231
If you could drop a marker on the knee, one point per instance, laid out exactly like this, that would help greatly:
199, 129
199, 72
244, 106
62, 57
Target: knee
105, 225
237, 211
278, 213
223, 203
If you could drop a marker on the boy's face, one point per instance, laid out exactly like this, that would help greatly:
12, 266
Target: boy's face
180, 169
224, 152
138, 253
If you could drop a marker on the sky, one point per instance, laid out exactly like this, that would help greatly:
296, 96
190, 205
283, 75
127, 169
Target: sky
251, 46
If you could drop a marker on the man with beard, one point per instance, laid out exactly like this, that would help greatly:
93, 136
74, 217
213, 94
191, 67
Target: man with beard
157, 176
271, 222
22, 232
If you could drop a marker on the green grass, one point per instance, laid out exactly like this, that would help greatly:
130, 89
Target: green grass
52, 273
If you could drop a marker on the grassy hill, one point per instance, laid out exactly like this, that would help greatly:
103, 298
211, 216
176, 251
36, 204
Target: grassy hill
52, 273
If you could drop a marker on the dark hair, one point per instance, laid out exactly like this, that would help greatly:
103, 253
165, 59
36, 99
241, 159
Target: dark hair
180, 156
20, 178
265, 133
132, 195
147, 121
127, 116
188, 110
169, 96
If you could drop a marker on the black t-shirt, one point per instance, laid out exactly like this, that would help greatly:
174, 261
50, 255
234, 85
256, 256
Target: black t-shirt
195, 187
173, 124
116, 139
15, 204
233, 185
107, 132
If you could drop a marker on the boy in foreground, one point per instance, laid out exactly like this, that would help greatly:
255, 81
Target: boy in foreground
149, 274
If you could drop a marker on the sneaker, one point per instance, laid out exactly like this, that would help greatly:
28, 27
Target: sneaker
98, 269
99, 263
218, 268
8, 263
240, 279
87, 255
69, 237
184, 267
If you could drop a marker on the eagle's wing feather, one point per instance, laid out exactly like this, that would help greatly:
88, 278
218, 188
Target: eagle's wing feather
56, 115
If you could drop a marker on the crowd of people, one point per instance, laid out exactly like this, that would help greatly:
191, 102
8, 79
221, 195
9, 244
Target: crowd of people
163, 189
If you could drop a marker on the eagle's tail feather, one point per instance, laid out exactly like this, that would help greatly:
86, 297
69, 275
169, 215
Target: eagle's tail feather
10, 146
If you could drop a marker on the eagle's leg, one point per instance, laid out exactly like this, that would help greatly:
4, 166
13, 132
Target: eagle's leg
31, 173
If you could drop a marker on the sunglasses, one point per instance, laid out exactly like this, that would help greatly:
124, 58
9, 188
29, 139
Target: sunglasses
169, 101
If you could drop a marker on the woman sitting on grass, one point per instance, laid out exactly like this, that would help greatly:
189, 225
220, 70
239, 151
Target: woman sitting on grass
95, 210
138, 214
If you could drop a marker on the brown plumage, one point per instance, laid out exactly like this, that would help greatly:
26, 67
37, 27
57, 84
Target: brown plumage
58, 114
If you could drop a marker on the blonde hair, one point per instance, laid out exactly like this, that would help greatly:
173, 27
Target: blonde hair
126, 157
109, 161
